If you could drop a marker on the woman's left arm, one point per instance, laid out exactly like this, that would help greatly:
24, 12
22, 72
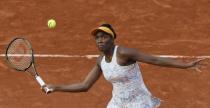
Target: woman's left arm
133, 54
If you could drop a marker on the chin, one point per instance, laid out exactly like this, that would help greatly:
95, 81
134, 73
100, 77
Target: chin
101, 49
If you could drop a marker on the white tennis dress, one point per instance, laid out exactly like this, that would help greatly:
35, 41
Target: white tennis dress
129, 90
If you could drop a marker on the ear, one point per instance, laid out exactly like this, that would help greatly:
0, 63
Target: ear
112, 39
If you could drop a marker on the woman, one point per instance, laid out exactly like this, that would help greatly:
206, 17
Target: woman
119, 66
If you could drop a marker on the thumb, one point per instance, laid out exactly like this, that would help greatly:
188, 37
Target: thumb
198, 70
200, 59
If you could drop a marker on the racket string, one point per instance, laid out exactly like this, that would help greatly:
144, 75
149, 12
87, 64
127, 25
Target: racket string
19, 54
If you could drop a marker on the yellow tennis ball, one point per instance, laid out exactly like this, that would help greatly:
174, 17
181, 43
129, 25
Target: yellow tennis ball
51, 23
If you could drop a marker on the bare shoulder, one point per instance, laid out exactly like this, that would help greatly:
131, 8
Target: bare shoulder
126, 55
123, 51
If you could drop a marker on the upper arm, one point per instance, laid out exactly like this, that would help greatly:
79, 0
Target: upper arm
93, 75
135, 55
131, 54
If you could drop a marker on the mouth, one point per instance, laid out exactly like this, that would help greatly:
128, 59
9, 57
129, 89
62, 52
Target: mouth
100, 45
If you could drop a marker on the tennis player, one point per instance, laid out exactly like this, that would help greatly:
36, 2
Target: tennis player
119, 65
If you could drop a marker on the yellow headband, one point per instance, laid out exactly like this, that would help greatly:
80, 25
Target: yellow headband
105, 29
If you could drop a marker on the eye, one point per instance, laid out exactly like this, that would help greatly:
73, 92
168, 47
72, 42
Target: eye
106, 36
96, 37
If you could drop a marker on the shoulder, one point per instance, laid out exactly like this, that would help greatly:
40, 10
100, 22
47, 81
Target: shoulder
128, 54
124, 51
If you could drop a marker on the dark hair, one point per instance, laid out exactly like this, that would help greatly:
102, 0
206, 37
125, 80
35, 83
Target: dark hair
110, 27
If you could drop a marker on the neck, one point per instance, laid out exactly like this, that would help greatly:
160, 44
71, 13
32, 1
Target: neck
109, 52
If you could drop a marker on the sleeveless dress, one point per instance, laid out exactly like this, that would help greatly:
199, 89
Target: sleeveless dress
129, 90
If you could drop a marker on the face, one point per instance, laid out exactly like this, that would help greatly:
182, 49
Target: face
104, 41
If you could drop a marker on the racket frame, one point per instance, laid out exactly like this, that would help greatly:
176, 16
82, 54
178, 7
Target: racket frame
32, 64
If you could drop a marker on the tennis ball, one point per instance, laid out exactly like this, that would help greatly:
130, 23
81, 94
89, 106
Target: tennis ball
51, 23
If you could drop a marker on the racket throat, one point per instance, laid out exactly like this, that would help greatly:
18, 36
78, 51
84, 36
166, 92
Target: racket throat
32, 71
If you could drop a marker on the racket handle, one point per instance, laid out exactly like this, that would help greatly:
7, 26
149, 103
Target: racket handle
40, 81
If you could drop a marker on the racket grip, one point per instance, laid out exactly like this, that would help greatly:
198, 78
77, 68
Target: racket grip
40, 81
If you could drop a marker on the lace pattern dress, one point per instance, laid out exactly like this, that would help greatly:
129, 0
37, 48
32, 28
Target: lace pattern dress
129, 90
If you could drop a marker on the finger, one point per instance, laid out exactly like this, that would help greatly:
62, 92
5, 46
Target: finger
203, 67
198, 70
199, 60
204, 63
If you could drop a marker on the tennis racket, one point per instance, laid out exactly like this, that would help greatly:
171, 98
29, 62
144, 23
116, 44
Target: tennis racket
20, 56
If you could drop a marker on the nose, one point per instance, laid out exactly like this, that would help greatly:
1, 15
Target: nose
100, 40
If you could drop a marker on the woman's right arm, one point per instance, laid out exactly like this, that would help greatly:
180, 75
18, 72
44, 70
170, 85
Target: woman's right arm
84, 86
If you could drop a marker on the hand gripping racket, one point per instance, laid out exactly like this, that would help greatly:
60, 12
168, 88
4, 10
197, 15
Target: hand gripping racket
19, 55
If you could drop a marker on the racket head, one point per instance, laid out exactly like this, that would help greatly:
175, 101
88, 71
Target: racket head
19, 54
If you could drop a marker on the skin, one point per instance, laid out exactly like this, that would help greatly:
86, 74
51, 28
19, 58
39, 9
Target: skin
125, 56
